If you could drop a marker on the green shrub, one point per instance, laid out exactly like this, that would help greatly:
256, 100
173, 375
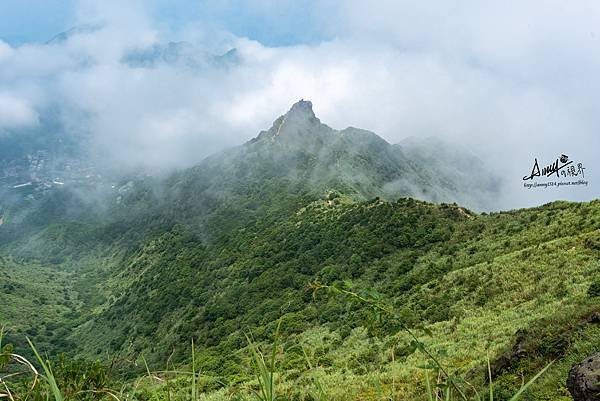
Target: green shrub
594, 290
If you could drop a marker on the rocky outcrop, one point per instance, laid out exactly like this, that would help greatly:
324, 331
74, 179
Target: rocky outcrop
584, 379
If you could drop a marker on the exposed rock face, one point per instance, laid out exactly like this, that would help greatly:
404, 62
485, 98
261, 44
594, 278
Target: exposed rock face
584, 379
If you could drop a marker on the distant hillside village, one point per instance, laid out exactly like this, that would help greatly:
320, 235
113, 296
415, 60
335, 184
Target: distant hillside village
36, 173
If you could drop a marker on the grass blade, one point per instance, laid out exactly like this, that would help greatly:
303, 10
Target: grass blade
48, 371
265, 373
490, 377
194, 392
428, 384
529, 383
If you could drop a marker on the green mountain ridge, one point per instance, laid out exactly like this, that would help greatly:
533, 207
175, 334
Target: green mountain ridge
239, 243
477, 281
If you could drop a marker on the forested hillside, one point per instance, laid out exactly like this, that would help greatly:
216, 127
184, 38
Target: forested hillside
314, 231
480, 283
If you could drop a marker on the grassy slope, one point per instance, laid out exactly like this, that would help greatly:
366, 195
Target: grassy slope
35, 300
538, 291
478, 281
46, 301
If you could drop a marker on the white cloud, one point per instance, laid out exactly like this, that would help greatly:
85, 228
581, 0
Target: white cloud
5, 50
15, 113
510, 82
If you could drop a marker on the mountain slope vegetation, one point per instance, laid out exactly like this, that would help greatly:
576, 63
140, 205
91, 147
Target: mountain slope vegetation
474, 280
277, 233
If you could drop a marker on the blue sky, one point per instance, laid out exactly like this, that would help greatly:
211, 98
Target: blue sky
34, 20
273, 23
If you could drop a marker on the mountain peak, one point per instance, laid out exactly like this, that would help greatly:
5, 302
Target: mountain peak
303, 109
300, 121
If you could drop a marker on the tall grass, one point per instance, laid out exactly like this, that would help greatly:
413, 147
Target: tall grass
194, 391
379, 307
320, 395
49, 375
449, 389
264, 369
265, 372
433, 394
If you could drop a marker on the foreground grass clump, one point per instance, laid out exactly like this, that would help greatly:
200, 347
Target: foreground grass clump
89, 382
271, 383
